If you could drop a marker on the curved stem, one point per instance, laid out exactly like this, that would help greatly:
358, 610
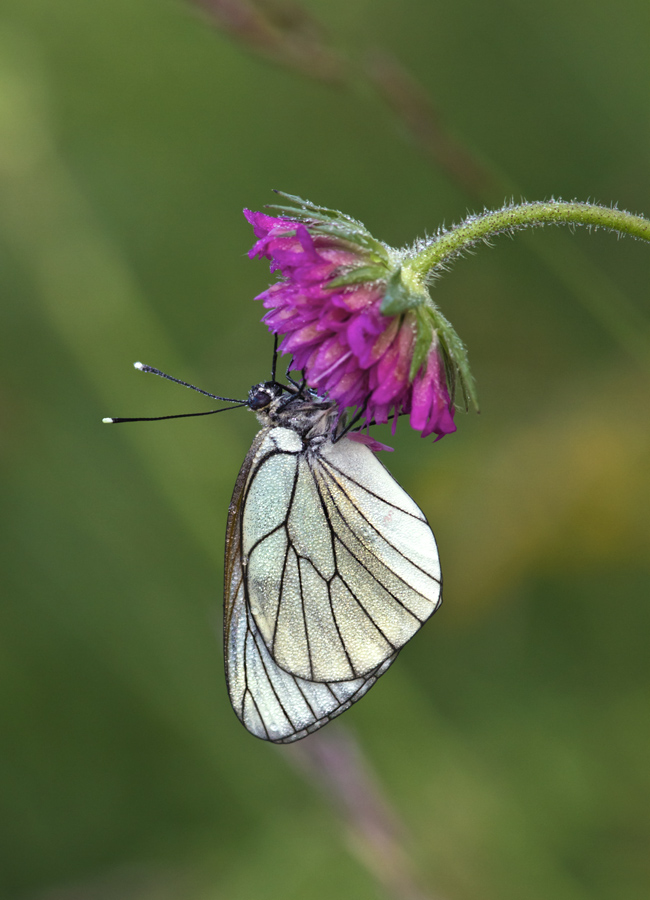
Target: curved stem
512, 218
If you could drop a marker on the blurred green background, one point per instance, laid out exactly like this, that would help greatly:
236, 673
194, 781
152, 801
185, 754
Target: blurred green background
512, 737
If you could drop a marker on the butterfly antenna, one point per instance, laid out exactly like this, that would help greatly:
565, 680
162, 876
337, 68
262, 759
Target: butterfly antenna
210, 412
117, 420
143, 368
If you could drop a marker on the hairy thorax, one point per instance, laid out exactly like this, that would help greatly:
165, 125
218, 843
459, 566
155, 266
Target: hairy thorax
310, 416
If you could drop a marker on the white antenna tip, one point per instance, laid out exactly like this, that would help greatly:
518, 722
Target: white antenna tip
108, 421
138, 365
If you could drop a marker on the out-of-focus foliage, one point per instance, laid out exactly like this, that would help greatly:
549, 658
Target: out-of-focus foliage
512, 736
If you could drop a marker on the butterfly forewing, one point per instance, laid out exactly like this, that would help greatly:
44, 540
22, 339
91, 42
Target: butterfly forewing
330, 569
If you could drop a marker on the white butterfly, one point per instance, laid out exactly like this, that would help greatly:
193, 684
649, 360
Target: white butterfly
330, 566
330, 569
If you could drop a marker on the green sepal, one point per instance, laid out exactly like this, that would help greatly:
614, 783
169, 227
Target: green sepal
399, 298
332, 223
455, 358
377, 251
358, 275
424, 332
305, 209
432, 326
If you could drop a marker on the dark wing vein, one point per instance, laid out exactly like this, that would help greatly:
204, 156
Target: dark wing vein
354, 556
364, 566
282, 576
326, 463
333, 538
273, 688
304, 615
376, 530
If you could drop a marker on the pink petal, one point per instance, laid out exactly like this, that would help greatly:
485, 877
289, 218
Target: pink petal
374, 445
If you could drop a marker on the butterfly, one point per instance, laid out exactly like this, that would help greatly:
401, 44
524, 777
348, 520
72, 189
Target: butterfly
330, 569
330, 566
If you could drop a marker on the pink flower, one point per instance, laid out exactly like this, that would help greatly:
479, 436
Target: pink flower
334, 278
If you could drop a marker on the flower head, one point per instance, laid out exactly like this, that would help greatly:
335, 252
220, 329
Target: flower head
331, 306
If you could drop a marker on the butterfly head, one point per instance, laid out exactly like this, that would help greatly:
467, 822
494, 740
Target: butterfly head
261, 396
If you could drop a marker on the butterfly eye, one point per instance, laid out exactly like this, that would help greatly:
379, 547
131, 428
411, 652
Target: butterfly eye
261, 395
259, 398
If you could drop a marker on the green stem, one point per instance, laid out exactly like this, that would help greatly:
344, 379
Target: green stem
512, 218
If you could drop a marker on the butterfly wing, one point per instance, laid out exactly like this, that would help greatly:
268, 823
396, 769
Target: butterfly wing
272, 704
341, 565
330, 569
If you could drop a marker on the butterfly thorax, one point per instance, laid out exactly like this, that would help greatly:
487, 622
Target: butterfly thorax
311, 416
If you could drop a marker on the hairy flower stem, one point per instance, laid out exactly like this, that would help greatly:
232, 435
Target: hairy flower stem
454, 242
